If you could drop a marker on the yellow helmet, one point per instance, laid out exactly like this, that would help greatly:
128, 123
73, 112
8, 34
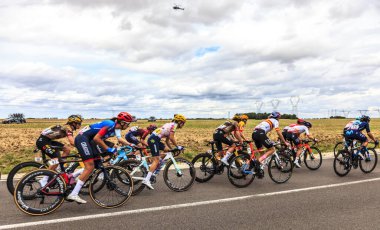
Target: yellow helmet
244, 117
74, 119
179, 117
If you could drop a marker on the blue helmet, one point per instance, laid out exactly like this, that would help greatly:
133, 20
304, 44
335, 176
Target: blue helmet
307, 124
365, 118
275, 115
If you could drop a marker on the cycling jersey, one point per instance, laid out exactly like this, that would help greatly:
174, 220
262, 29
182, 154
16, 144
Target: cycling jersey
268, 124
358, 126
298, 129
104, 128
135, 132
57, 132
241, 126
165, 130
228, 127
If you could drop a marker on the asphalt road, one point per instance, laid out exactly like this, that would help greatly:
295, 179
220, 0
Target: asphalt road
310, 199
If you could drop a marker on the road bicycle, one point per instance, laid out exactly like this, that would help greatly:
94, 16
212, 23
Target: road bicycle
109, 187
340, 145
310, 155
352, 157
179, 173
29, 166
208, 164
246, 167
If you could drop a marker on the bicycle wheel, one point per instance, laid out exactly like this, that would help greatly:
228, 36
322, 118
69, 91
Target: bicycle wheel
242, 174
116, 186
342, 164
338, 146
313, 160
45, 200
205, 167
280, 169
179, 177
137, 173
20, 170
369, 163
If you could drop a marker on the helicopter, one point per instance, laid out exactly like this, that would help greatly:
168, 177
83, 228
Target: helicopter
177, 7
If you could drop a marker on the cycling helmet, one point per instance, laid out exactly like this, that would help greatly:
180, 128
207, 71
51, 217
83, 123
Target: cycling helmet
124, 116
244, 117
76, 118
236, 117
152, 127
275, 115
307, 124
300, 121
179, 117
365, 118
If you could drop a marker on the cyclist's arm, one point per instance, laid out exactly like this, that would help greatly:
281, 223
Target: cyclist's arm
71, 140
171, 138
278, 131
371, 136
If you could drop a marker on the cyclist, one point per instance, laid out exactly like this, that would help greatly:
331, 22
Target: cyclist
285, 130
97, 134
222, 136
49, 135
135, 133
167, 131
242, 124
354, 132
293, 135
261, 139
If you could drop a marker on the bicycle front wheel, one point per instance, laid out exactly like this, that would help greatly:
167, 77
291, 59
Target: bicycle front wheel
313, 160
280, 168
205, 167
35, 200
241, 173
338, 146
369, 163
137, 173
180, 176
19, 171
342, 164
111, 187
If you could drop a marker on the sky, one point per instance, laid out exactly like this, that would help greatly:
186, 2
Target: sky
213, 59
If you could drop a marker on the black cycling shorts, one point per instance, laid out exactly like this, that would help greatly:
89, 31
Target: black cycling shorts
293, 138
44, 144
261, 139
88, 149
219, 138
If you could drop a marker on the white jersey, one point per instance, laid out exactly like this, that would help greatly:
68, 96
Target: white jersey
268, 124
166, 129
298, 129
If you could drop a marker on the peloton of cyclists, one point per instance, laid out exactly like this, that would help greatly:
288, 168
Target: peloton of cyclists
137, 135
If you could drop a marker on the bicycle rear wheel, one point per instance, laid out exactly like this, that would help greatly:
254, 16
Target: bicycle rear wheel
280, 169
241, 174
342, 164
369, 163
313, 160
19, 171
181, 177
137, 173
205, 167
338, 146
111, 187
35, 200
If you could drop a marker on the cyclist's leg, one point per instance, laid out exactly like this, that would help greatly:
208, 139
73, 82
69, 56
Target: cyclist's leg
155, 146
261, 139
219, 147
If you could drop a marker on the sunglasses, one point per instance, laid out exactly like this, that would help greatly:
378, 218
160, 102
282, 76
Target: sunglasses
124, 123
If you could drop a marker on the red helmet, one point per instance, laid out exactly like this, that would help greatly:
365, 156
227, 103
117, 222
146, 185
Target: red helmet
151, 127
300, 121
124, 116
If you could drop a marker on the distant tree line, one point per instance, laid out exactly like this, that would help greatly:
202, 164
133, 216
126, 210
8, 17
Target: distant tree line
337, 117
260, 116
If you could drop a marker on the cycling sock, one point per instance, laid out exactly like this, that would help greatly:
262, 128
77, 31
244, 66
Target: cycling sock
228, 154
147, 178
44, 181
77, 173
77, 188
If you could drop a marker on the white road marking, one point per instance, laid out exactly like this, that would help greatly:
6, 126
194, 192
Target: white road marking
176, 206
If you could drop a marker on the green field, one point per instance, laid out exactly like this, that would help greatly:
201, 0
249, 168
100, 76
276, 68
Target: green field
17, 141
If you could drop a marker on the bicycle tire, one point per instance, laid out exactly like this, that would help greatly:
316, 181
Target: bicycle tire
207, 167
284, 167
21, 203
120, 188
363, 163
313, 164
130, 165
11, 182
342, 161
170, 180
244, 179
338, 146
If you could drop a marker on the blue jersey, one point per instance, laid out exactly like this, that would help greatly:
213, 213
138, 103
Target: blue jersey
105, 129
359, 126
